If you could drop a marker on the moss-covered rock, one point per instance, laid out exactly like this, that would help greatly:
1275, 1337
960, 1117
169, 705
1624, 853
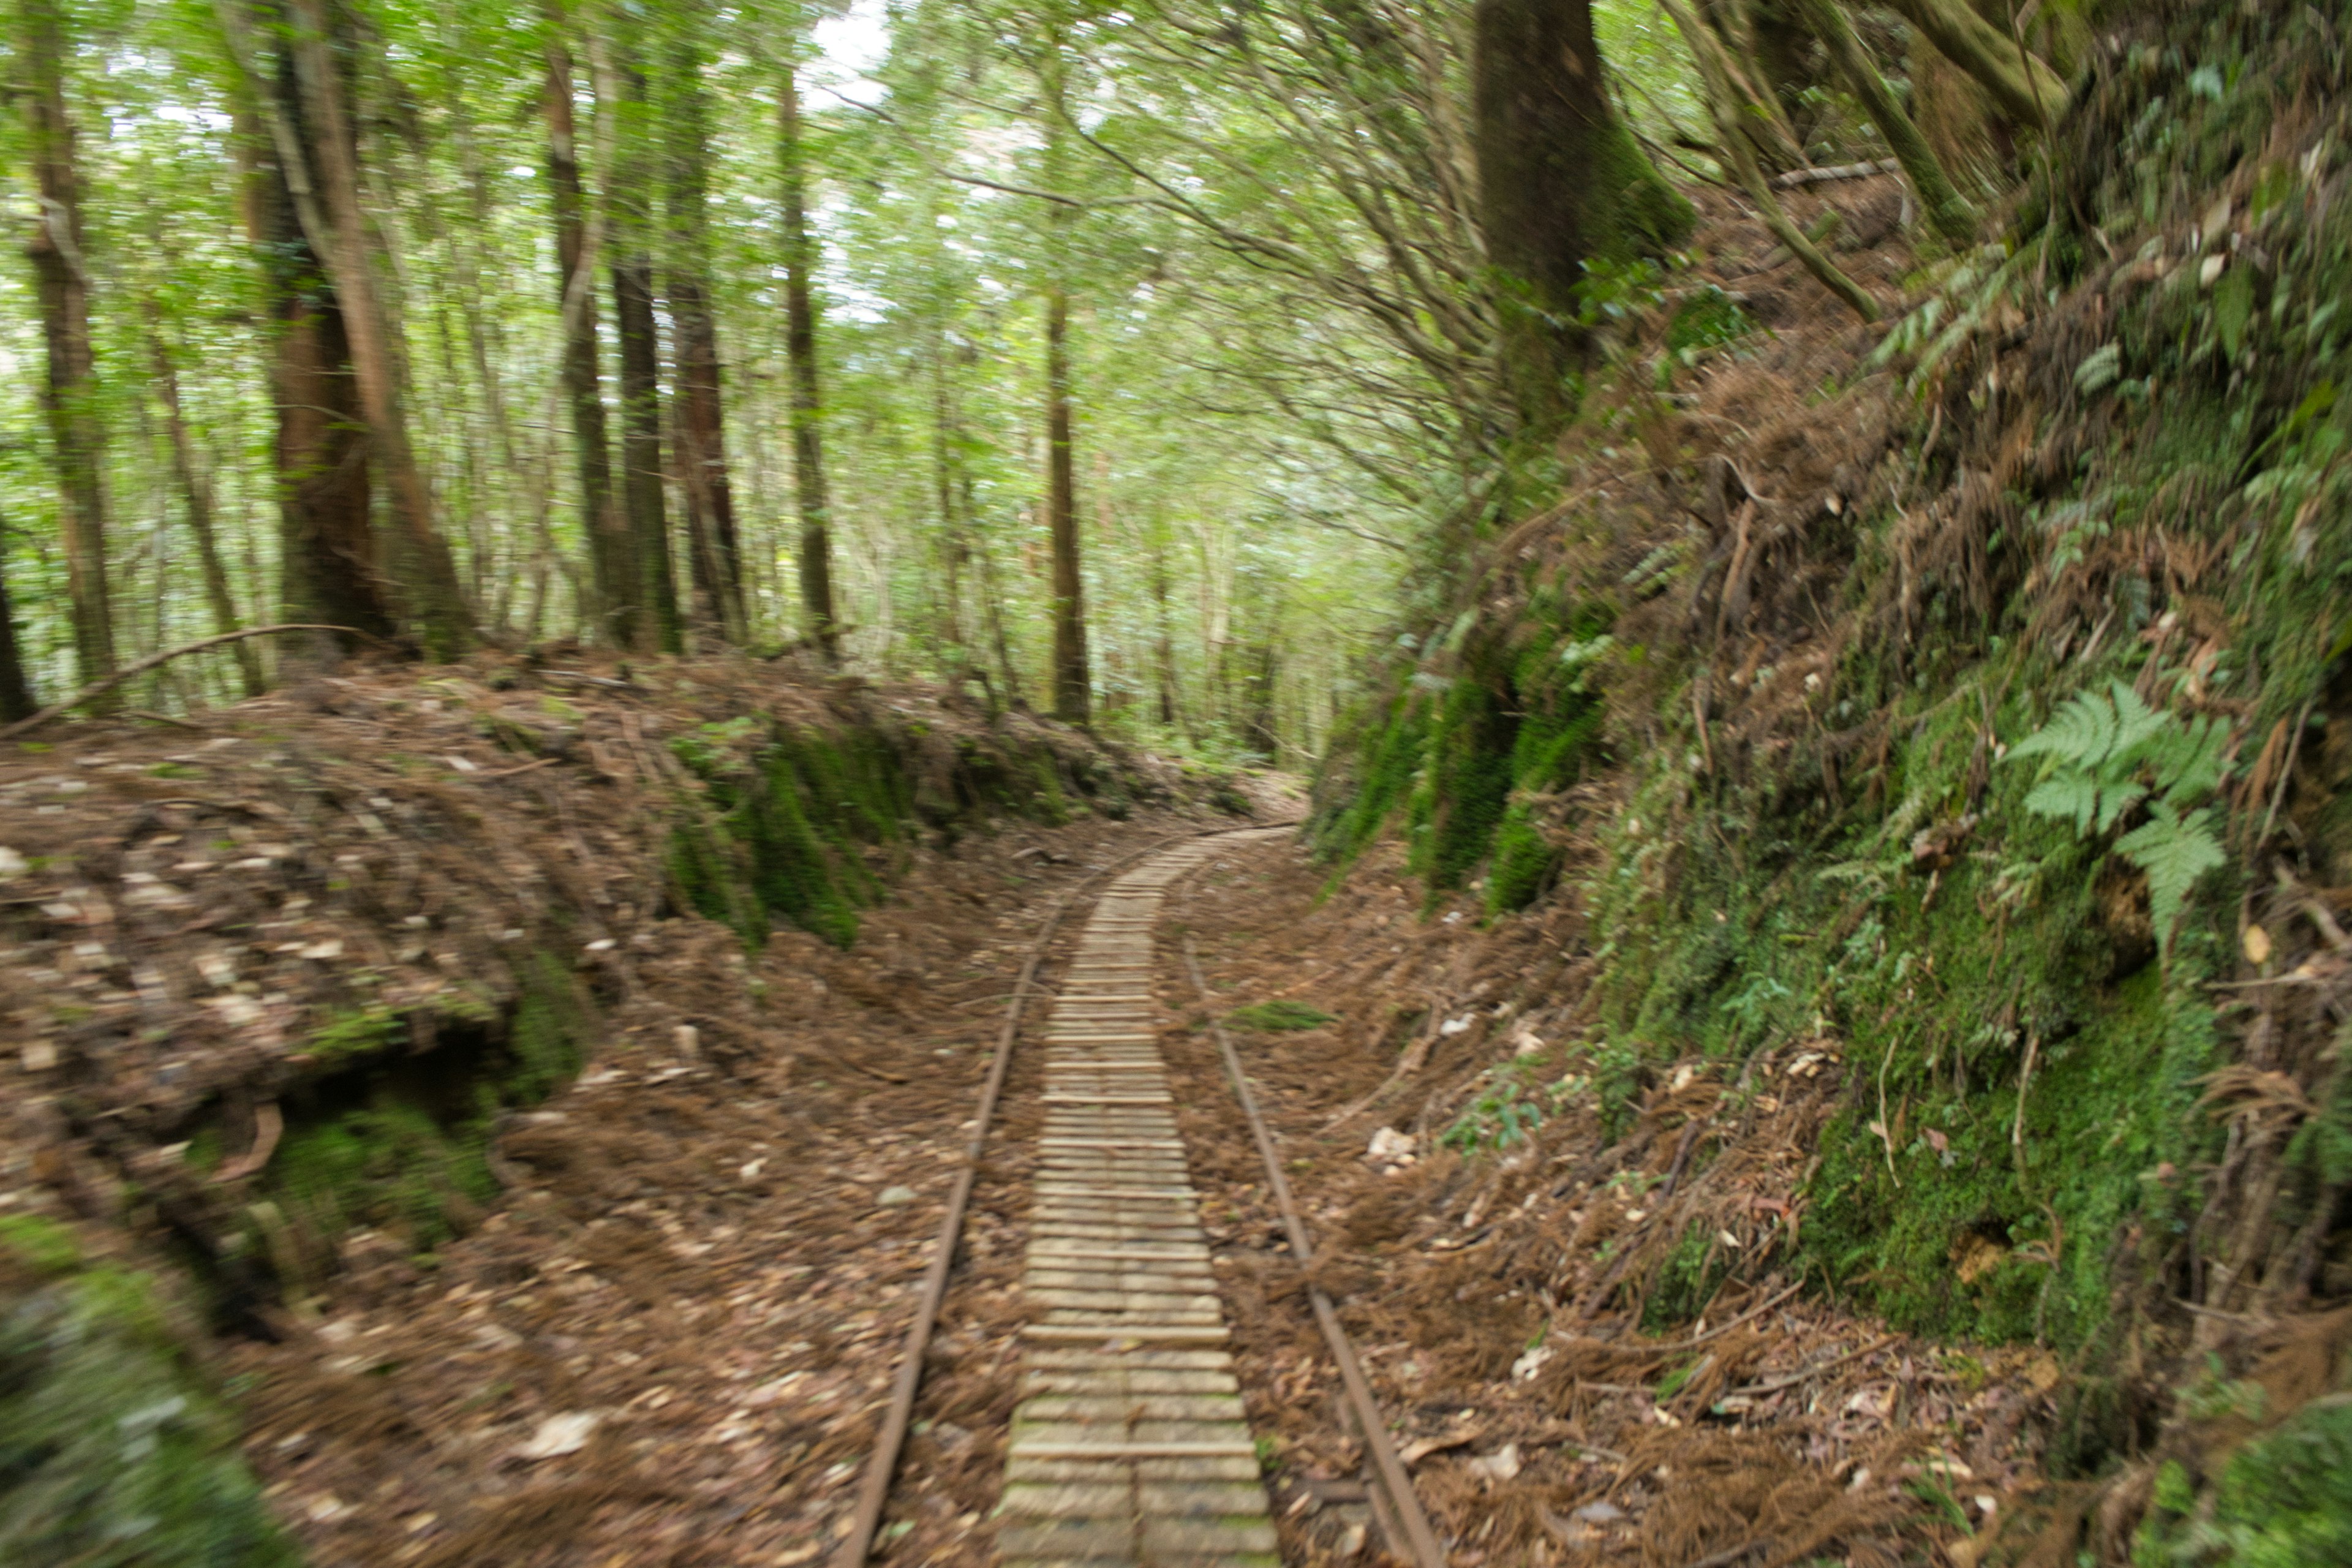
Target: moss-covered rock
114, 1453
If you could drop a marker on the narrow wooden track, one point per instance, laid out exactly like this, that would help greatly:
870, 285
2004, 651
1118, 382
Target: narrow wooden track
1129, 1445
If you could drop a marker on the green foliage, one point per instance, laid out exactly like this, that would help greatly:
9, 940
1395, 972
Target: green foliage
2108, 752
1501, 1117
2104, 754
1707, 318
1277, 1016
2285, 1499
112, 1453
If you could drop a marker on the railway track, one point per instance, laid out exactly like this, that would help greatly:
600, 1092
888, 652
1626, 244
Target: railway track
1130, 1445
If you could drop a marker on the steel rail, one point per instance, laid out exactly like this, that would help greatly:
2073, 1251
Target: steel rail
882, 1465
1427, 1553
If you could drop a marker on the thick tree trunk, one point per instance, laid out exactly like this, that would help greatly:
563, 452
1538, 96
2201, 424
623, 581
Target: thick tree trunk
697, 414
70, 395
818, 611
329, 569
617, 583
660, 629
328, 152
196, 490
1561, 183
15, 692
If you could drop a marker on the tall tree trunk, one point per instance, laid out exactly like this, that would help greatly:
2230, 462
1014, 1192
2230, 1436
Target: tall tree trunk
1730, 108
2027, 89
1073, 686
661, 629
697, 417
1163, 636
1946, 208
328, 152
800, 347
69, 395
196, 490
617, 583
955, 543
1560, 183
329, 566
15, 692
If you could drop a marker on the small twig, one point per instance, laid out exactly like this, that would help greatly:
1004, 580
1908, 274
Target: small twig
2017, 1124
527, 767
1776, 1385
153, 718
1731, 1554
2286, 772
1749, 1316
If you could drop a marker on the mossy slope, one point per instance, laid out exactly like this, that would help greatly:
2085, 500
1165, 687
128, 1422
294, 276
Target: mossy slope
2125, 463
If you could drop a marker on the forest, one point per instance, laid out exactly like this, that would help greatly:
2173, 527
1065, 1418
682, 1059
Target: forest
1217, 781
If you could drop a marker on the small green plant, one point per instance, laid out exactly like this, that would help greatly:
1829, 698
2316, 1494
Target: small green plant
2106, 753
1496, 1119
1273, 1017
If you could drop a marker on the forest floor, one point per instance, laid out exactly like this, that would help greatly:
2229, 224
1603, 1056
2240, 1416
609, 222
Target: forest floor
669, 1344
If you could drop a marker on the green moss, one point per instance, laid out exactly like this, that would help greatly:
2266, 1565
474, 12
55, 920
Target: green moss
1277, 1015
2285, 1499
358, 1033
113, 1451
1458, 804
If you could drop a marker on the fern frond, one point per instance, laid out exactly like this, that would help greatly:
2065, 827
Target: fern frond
2081, 732
2117, 799
2190, 762
2175, 851
2068, 793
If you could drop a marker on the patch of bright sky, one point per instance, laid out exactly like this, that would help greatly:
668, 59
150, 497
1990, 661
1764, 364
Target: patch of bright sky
848, 49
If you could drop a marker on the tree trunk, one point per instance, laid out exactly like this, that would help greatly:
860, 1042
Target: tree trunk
697, 414
2027, 89
1164, 638
15, 692
660, 629
70, 395
800, 347
1561, 183
1724, 103
327, 197
1945, 207
1073, 687
617, 583
330, 574
197, 492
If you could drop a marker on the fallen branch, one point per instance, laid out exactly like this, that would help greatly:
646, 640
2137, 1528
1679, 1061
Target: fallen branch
141, 665
1795, 177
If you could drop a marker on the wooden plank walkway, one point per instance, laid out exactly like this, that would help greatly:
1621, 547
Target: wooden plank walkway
1129, 1445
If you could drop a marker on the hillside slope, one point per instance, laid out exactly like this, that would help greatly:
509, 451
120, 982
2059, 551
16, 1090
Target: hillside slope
1965, 703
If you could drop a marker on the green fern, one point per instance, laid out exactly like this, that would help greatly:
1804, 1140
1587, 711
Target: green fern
2174, 850
2106, 753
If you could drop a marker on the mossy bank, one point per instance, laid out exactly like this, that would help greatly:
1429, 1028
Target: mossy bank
1983, 724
